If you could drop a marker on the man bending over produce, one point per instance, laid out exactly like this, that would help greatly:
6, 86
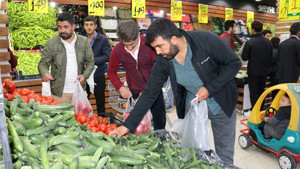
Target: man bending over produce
70, 56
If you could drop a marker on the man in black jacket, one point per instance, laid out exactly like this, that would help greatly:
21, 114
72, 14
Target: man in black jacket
289, 57
102, 50
199, 64
258, 52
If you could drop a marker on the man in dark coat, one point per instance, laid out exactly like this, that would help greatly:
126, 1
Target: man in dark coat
258, 52
289, 57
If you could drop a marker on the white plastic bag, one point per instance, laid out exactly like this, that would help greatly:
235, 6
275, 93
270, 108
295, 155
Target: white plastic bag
177, 126
81, 102
90, 81
46, 90
196, 127
145, 124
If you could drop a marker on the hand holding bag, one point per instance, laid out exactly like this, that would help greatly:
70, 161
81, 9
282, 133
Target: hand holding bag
196, 126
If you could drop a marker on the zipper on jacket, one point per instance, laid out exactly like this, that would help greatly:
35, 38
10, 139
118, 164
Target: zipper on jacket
137, 65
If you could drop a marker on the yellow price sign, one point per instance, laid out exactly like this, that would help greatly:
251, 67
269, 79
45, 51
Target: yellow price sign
283, 12
294, 7
202, 13
176, 11
38, 6
250, 19
96, 7
228, 14
138, 9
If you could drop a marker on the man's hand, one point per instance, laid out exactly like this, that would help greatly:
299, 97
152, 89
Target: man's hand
81, 79
202, 94
46, 77
266, 119
125, 93
119, 132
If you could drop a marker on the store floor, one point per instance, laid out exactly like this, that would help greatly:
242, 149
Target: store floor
251, 158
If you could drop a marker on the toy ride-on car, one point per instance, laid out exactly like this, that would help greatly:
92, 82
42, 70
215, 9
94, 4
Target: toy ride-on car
288, 147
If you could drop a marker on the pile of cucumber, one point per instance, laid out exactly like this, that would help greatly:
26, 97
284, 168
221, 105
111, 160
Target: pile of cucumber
48, 137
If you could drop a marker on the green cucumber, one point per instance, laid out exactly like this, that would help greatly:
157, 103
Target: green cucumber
68, 114
97, 154
44, 155
17, 164
86, 152
59, 130
31, 123
22, 105
14, 106
59, 140
100, 143
127, 160
7, 111
193, 164
72, 147
29, 148
36, 139
30, 104
65, 149
63, 124
21, 130
18, 145
64, 106
74, 164
41, 129
101, 162
58, 165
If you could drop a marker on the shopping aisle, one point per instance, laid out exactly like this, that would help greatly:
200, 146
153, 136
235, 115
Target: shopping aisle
251, 158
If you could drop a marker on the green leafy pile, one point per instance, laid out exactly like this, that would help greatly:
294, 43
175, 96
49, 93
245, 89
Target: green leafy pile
30, 37
28, 62
18, 16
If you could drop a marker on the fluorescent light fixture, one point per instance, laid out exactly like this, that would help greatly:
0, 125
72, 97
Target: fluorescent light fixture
114, 8
257, 0
52, 4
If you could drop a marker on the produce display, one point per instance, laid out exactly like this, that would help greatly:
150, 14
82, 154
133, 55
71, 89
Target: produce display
48, 136
30, 37
28, 62
18, 16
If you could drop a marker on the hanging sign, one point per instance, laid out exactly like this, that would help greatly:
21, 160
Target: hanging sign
283, 12
293, 8
228, 14
38, 6
176, 10
203, 13
250, 19
96, 7
138, 8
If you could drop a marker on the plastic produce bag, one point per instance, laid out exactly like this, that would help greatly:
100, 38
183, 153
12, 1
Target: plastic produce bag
81, 102
145, 124
90, 81
46, 91
196, 127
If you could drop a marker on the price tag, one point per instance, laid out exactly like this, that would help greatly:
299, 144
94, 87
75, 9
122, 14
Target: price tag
176, 11
138, 9
38, 6
283, 12
294, 7
96, 7
250, 19
228, 14
202, 13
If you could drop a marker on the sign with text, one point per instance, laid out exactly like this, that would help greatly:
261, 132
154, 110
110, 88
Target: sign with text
283, 12
228, 14
202, 13
266, 9
96, 7
250, 19
294, 8
176, 10
138, 8
38, 6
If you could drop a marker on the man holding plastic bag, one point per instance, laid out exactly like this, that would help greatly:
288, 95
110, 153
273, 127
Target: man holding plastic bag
199, 64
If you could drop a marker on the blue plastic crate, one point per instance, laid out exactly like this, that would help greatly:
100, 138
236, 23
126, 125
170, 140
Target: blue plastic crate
26, 77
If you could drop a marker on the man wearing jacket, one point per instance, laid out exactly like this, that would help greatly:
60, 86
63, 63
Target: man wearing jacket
102, 50
136, 57
227, 36
71, 58
199, 64
289, 57
258, 51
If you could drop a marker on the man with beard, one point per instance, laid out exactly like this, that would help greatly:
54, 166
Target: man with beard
137, 60
199, 64
101, 49
71, 58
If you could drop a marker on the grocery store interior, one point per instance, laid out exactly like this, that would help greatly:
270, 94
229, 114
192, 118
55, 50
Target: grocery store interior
35, 129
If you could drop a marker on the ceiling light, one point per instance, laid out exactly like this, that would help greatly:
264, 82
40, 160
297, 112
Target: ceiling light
257, 0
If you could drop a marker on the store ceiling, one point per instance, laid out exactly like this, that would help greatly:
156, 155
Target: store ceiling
269, 2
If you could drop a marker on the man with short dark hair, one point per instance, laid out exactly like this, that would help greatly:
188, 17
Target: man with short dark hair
267, 34
71, 58
199, 65
289, 57
101, 49
227, 36
258, 51
137, 59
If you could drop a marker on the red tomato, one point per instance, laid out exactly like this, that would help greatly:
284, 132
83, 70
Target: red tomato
25, 98
94, 116
5, 92
49, 99
82, 119
139, 130
31, 96
102, 128
95, 129
24, 92
104, 120
108, 130
9, 85
94, 123
9, 97
113, 126
88, 126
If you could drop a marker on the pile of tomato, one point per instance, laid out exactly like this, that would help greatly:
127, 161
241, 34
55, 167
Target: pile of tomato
143, 126
10, 92
95, 123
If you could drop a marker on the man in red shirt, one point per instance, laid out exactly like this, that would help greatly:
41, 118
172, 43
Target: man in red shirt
137, 59
227, 36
